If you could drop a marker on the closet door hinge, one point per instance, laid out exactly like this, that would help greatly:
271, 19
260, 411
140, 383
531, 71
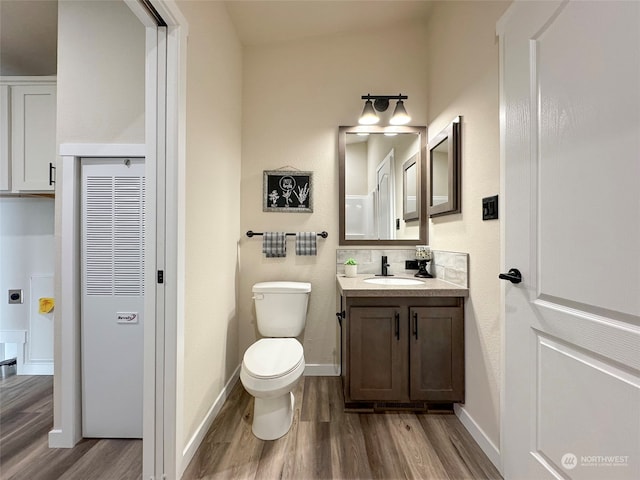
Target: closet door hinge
160, 276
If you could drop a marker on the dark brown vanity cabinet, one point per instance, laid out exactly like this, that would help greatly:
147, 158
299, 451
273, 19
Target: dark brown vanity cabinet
403, 350
377, 339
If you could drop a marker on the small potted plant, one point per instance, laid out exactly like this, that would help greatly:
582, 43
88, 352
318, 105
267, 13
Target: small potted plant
350, 268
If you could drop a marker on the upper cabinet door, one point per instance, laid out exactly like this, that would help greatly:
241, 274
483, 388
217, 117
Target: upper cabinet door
33, 136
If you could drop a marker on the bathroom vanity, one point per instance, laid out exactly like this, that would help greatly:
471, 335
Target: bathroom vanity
402, 345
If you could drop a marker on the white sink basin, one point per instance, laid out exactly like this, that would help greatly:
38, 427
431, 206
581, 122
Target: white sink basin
393, 281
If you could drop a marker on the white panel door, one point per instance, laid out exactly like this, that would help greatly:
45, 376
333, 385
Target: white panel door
113, 257
33, 136
386, 198
570, 101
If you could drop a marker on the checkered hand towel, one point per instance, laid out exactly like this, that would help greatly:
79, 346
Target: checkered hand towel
274, 244
306, 243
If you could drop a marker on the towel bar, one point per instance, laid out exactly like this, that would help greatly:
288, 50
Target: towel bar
251, 233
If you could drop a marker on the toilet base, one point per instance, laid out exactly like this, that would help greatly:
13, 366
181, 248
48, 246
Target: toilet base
272, 417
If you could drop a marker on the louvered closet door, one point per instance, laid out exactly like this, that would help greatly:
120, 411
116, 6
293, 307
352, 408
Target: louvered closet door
112, 297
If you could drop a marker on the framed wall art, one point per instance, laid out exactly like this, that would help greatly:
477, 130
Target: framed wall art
287, 191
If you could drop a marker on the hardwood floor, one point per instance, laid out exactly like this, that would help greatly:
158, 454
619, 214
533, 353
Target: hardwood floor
26, 417
326, 442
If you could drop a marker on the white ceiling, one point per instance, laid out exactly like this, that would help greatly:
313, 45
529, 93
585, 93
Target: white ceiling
28, 28
28, 37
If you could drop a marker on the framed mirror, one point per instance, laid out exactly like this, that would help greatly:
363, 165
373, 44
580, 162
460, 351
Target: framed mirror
443, 172
381, 174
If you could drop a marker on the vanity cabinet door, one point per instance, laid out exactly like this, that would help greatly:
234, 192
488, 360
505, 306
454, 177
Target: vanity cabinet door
377, 354
436, 354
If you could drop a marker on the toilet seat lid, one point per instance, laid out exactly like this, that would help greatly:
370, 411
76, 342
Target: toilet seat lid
273, 357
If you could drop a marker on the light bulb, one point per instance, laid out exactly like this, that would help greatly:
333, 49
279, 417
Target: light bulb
369, 116
400, 115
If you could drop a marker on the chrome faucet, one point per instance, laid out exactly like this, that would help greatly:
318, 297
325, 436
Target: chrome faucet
385, 266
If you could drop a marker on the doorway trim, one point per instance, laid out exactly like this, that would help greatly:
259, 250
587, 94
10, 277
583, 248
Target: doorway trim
165, 134
165, 131
67, 429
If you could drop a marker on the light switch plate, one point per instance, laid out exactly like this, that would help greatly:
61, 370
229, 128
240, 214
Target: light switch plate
490, 208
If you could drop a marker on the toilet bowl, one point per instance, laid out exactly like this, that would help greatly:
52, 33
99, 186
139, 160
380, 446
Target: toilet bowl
272, 366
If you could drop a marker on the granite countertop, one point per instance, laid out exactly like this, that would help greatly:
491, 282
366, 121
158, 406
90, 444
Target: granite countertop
432, 287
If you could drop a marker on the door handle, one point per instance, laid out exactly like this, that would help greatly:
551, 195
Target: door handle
51, 170
397, 326
415, 324
514, 276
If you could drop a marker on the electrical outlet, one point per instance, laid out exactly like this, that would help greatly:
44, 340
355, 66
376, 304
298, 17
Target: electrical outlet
411, 265
15, 296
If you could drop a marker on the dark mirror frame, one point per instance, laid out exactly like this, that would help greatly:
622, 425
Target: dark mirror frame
421, 162
452, 135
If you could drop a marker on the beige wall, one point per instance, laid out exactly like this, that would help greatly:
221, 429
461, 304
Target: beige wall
101, 51
280, 105
295, 96
214, 89
100, 99
463, 80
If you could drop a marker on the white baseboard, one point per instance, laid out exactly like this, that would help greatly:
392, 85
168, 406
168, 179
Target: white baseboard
35, 368
198, 436
57, 439
321, 370
487, 446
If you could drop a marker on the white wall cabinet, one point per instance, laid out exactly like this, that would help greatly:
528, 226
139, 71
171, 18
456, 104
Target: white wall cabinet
27, 135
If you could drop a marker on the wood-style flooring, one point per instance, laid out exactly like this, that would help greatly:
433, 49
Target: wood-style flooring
326, 442
26, 417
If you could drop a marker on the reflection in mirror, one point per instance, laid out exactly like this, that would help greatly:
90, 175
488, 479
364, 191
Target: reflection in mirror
444, 171
380, 176
410, 189
440, 171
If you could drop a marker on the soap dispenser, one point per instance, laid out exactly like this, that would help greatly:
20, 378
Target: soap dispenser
423, 255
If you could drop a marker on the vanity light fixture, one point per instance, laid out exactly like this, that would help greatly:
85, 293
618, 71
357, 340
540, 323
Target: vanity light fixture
380, 103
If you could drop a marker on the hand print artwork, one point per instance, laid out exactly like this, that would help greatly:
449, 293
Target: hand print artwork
287, 191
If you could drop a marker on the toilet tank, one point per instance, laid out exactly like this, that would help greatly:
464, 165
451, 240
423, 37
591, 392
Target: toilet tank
281, 307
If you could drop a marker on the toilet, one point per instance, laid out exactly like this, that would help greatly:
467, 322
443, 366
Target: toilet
272, 366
